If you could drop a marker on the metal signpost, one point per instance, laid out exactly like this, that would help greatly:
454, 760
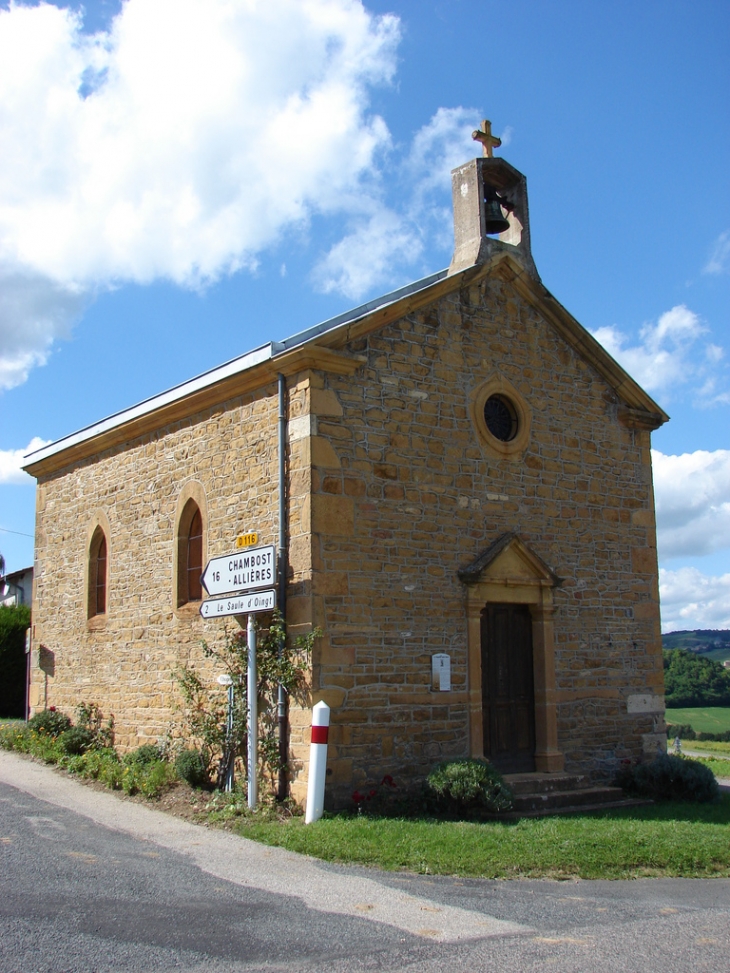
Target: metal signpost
253, 715
239, 576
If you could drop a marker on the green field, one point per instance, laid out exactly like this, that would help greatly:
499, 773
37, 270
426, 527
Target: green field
702, 719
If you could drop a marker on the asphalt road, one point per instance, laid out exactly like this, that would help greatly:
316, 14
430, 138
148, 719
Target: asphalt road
93, 883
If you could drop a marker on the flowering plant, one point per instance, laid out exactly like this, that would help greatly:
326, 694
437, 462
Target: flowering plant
375, 797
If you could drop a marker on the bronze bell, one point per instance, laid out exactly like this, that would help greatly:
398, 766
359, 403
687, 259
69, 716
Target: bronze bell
494, 221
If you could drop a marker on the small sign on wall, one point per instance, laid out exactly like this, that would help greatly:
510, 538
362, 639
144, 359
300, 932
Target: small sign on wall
441, 672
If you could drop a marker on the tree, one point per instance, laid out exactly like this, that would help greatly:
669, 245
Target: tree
691, 680
14, 620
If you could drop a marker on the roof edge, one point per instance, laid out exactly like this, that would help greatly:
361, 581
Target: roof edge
589, 348
69, 448
255, 368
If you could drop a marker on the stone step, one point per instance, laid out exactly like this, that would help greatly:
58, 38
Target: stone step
559, 800
543, 783
544, 812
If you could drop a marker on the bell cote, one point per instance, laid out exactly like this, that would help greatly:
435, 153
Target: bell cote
490, 210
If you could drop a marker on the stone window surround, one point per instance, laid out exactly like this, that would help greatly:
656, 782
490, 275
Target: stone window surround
98, 526
193, 491
498, 384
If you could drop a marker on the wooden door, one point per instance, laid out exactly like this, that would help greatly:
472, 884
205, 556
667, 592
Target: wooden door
508, 696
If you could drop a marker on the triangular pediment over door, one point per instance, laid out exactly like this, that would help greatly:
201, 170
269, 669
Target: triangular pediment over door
509, 572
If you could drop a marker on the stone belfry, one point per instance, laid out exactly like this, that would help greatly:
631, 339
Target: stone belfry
490, 209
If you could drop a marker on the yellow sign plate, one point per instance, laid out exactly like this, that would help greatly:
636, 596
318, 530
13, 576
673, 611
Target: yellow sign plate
247, 540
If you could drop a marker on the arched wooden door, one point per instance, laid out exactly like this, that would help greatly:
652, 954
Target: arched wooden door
508, 695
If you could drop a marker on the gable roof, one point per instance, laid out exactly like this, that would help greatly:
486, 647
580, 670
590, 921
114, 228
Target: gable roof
319, 347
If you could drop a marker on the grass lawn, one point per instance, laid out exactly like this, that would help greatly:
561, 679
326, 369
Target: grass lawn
672, 839
704, 719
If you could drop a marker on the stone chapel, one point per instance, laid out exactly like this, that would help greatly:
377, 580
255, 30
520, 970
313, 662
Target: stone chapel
458, 479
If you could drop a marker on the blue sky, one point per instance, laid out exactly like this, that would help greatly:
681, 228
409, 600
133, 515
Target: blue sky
182, 180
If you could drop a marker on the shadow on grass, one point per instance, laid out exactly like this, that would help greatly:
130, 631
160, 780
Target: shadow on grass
712, 812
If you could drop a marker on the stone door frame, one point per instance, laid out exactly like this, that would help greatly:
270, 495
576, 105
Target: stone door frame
509, 572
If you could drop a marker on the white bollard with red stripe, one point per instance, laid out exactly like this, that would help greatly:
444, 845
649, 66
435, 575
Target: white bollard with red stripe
317, 762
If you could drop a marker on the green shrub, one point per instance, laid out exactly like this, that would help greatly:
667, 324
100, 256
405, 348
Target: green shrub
669, 778
723, 737
685, 732
95, 763
77, 750
155, 777
468, 784
14, 620
46, 747
190, 766
50, 722
90, 717
682, 730
76, 740
15, 737
146, 754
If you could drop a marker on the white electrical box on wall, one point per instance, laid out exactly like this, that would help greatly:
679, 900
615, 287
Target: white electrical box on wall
441, 672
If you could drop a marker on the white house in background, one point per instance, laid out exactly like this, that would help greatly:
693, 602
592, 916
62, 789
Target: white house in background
16, 587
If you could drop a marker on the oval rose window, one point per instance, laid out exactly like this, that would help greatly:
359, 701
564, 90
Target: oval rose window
501, 418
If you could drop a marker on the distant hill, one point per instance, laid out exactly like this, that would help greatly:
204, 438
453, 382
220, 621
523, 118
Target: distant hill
713, 643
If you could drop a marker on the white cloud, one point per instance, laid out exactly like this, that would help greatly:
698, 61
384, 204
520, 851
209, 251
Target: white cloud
179, 144
692, 502
670, 354
693, 600
375, 251
719, 262
33, 312
387, 240
660, 360
11, 461
441, 145
506, 136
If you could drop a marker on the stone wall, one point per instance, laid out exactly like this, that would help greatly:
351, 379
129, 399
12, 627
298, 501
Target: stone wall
226, 458
410, 492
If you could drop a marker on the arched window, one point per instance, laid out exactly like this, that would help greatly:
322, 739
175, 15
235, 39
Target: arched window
97, 574
189, 554
195, 557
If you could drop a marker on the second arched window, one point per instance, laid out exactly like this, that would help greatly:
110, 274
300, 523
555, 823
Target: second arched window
190, 554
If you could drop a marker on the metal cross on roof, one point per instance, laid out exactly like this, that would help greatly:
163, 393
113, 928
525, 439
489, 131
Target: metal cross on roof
489, 141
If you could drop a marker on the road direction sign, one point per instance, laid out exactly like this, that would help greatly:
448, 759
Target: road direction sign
241, 571
255, 601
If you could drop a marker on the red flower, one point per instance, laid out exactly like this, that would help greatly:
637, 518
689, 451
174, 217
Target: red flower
388, 781
358, 797
51, 709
